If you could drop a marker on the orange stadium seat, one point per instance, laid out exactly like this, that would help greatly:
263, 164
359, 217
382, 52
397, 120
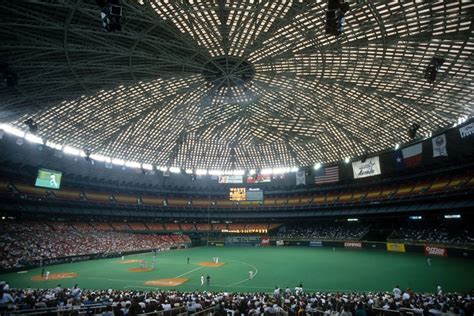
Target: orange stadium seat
203, 227
120, 226
172, 226
187, 227
219, 227
137, 226
155, 226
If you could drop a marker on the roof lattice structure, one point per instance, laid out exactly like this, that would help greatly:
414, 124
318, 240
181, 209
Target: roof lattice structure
235, 84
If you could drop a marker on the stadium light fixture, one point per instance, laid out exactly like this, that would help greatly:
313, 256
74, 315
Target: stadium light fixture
201, 172
188, 171
294, 169
252, 172
317, 166
266, 171
132, 164
161, 168
347, 160
53, 145
237, 172
34, 139
71, 151
452, 216
99, 158
215, 172
352, 219
397, 146
415, 218
175, 170
147, 166
12, 130
117, 161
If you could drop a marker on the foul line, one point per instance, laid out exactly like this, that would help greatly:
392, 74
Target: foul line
256, 271
199, 268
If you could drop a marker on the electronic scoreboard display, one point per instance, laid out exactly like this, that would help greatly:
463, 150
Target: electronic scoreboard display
243, 194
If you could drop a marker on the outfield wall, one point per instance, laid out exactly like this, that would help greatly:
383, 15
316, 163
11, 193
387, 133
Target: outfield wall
427, 249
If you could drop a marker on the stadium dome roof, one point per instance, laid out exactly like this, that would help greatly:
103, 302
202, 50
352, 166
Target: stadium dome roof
235, 84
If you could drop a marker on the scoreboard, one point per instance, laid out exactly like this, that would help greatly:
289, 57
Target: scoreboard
243, 194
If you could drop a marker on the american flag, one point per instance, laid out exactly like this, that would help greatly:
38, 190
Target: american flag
327, 175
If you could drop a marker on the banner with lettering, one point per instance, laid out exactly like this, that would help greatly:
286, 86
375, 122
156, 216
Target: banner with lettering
370, 167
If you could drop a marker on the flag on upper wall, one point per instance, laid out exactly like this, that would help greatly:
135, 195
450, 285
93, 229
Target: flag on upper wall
439, 145
466, 130
370, 167
326, 175
398, 159
412, 155
300, 177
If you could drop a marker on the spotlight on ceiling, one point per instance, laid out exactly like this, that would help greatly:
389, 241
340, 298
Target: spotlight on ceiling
32, 126
412, 130
432, 70
8, 76
335, 17
110, 14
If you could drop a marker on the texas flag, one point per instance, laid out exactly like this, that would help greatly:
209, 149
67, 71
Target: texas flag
412, 155
398, 159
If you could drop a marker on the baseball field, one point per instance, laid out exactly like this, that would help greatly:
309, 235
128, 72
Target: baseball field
318, 269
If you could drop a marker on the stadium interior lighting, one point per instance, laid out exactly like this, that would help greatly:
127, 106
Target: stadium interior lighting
352, 219
71, 151
175, 170
117, 161
54, 145
201, 172
347, 160
98, 157
266, 171
133, 164
452, 216
161, 168
34, 138
294, 169
12, 130
236, 172
215, 172
147, 166
252, 172
397, 146
317, 166
416, 218
189, 171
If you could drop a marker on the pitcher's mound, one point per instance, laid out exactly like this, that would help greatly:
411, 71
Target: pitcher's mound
55, 276
140, 269
131, 261
210, 264
167, 282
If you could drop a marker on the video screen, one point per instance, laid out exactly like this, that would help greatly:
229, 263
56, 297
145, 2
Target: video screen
254, 195
48, 179
237, 194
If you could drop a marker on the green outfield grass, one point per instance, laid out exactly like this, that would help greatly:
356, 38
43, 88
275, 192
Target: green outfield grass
319, 269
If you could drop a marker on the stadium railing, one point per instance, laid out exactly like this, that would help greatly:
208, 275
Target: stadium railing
176, 311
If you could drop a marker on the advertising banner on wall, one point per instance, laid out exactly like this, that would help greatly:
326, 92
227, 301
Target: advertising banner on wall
231, 179
435, 251
467, 130
370, 167
392, 246
315, 243
348, 244
280, 243
265, 241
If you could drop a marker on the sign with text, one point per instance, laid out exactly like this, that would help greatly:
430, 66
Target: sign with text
353, 244
370, 167
393, 246
435, 251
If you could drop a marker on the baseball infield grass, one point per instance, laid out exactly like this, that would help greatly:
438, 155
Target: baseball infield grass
319, 269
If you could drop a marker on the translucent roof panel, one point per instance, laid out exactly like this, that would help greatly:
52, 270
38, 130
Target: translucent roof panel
235, 84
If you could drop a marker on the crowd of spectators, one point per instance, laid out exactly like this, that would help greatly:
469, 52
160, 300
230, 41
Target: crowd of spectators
439, 234
326, 231
281, 302
23, 245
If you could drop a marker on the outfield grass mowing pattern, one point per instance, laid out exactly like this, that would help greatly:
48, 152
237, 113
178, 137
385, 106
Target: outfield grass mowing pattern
319, 269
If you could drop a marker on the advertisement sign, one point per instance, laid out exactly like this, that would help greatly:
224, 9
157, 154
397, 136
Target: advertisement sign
280, 243
353, 244
467, 130
231, 179
315, 243
370, 167
435, 251
392, 246
265, 241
